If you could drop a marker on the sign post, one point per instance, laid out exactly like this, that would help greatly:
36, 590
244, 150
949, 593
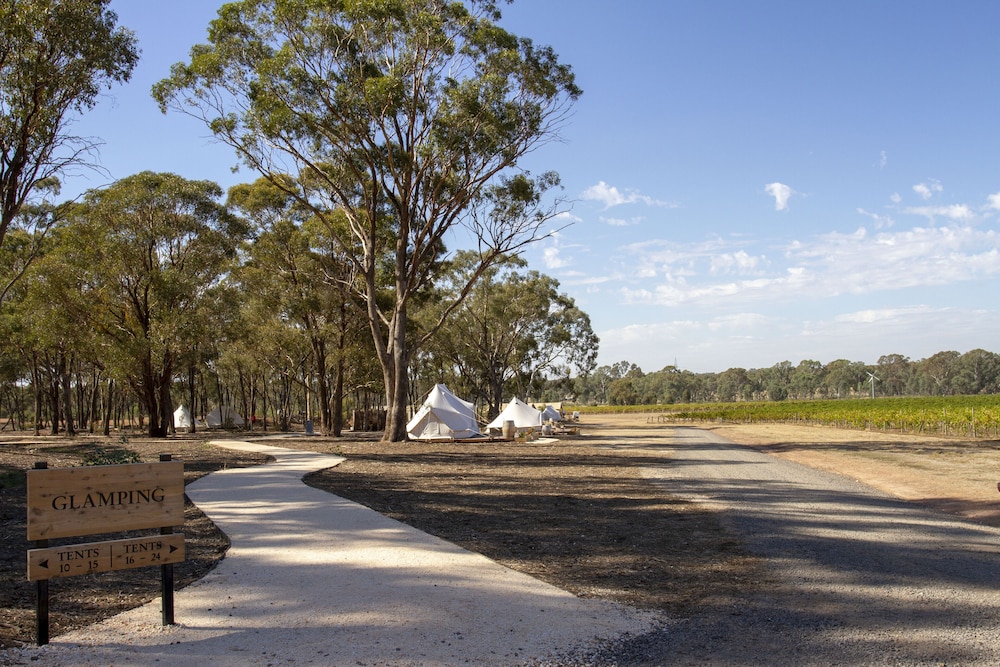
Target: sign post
41, 590
70, 502
167, 571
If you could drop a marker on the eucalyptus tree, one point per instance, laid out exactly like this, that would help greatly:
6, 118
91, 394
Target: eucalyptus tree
978, 373
56, 58
407, 118
935, 374
515, 327
894, 374
148, 254
298, 276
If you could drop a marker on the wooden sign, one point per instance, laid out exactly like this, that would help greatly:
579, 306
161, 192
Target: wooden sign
69, 502
74, 559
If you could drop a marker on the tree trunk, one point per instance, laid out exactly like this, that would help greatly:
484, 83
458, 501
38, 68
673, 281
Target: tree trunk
151, 390
95, 396
396, 383
191, 396
322, 386
109, 407
67, 393
263, 400
166, 405
36, 390
338, 398
54, 396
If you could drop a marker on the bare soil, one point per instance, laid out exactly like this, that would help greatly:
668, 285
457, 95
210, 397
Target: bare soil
79, 601
573, 511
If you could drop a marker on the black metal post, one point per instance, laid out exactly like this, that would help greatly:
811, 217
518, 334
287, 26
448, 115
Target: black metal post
167, 577
41, 590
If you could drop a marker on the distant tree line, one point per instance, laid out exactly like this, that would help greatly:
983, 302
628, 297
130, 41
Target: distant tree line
942, 374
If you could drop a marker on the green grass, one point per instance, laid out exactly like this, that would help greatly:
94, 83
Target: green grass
967, 416
11, 479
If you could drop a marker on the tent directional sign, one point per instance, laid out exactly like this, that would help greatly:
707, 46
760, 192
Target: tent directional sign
88, 500
92, 557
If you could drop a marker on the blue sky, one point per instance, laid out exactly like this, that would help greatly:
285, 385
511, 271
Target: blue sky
752, 181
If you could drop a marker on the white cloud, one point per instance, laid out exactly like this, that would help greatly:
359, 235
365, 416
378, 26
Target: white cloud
552, 258
567, 217
621, 222
956, 212
994, 201
781, 193
739, 262
873, 315
883, 159
720, 272
611, 196
877, 218
928, 189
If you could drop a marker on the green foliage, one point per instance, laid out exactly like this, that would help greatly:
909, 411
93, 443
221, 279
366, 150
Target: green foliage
141, 265
56, 57
12, 479
513, 329
408, 118
106, 456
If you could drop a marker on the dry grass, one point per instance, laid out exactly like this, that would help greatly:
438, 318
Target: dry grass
573, 512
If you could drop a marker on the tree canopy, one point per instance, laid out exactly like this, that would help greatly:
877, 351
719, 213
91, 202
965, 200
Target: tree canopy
56, 56
146, 257
403, 118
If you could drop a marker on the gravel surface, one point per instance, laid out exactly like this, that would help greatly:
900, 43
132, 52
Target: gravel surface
313, 579
859, 578
856, 578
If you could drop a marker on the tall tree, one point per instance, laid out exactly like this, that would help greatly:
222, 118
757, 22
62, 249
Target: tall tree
978, 372
56, 56
149, 253
407, 117
515, 328
894, 371
290, 278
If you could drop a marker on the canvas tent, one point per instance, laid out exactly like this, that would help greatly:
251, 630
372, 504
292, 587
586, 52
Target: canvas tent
443, 415
182, 418
550, 412
224, 417
523, 415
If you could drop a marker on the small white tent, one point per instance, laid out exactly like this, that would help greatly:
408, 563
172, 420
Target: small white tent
551, 413
523, 415
224, 417
443, 415
182, 418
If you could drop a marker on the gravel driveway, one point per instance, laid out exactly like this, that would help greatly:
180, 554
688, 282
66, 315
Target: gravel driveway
859, 578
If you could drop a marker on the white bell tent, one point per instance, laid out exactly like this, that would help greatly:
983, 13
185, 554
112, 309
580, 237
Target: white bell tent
224, 417
182, 418
443, 415
523, 415
550, 412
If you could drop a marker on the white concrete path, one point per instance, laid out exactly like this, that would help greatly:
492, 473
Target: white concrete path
313, 579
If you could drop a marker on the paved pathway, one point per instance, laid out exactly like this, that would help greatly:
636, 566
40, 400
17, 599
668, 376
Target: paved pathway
313, 579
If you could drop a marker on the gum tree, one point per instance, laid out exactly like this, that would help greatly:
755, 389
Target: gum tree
148, 257
56, 56
407, 118
515, 328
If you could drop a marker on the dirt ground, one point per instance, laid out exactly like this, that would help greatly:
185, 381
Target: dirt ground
571, 511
